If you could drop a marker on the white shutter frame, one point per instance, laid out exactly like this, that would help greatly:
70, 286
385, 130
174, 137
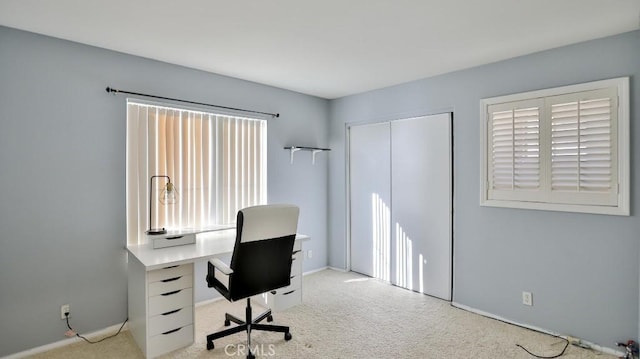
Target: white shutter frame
617, 201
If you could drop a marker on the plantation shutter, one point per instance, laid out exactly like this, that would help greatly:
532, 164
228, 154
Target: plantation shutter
514, 165
583, 147
561, 149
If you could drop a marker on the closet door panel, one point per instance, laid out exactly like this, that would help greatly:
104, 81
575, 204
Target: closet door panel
421, 203
370, 199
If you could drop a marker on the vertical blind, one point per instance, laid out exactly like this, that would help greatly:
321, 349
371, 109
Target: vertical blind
216, 162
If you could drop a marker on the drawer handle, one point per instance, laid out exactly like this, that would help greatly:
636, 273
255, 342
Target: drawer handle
171, 331
169, 267
170, 279
171, 293
172, 312
173, 237
287, 293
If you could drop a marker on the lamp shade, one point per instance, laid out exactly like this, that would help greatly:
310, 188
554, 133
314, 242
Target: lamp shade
169, 194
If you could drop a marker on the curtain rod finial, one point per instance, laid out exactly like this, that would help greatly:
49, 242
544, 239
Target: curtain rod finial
276, 115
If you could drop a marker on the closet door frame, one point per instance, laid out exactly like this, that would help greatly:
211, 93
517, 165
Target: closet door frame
348, 242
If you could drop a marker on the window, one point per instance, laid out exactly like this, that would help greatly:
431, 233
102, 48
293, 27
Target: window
217, 163
562, 149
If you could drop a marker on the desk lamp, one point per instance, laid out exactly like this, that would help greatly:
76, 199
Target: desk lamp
168, 196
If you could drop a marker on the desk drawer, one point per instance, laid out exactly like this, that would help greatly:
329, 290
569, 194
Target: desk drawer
162, 323
170, 285
171, 241
296, 283
296, 264
169, 272
286, 299
297, 245
166, 342
170, 301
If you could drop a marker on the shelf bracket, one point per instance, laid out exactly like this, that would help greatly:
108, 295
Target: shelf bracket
313, 156
293, 150
314, 151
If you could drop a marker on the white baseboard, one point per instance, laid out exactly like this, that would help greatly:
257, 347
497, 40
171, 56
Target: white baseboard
98, 334
314, 270
339, 269
593, 346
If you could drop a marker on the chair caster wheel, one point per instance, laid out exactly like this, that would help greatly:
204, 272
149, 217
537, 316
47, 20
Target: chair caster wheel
270, 318
251, 356
227, 322
287, 336
209, 345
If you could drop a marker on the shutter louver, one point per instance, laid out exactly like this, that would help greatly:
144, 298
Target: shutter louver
581, 146
515, 156
526, 140
502, 150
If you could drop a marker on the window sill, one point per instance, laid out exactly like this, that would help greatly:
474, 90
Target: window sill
620, 210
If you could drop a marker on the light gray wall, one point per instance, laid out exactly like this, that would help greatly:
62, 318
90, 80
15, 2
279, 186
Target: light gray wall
62, 174
581, 268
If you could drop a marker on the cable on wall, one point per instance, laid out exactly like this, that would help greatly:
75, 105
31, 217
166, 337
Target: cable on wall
116, 91
547, 357
71, 332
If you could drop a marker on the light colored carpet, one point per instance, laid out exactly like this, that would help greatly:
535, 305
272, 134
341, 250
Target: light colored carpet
346, 315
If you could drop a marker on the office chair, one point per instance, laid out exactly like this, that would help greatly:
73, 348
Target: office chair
261, 262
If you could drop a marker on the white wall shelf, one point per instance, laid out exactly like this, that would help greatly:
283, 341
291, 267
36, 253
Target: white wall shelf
314, 151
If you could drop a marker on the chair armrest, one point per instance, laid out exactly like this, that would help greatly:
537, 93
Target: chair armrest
221, 266
218, 273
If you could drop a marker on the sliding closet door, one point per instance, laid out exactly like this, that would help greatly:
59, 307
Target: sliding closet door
421, 204
369, 165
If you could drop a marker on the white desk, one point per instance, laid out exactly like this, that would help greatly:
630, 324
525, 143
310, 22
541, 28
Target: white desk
161, 282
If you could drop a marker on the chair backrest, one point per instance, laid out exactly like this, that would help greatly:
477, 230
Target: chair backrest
262, 255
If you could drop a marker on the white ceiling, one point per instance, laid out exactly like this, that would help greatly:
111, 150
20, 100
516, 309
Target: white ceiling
326, 48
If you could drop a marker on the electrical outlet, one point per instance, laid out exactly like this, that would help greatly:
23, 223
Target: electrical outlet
527, 298
309, 253
65, 308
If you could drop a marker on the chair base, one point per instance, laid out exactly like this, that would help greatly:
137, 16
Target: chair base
248, 325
